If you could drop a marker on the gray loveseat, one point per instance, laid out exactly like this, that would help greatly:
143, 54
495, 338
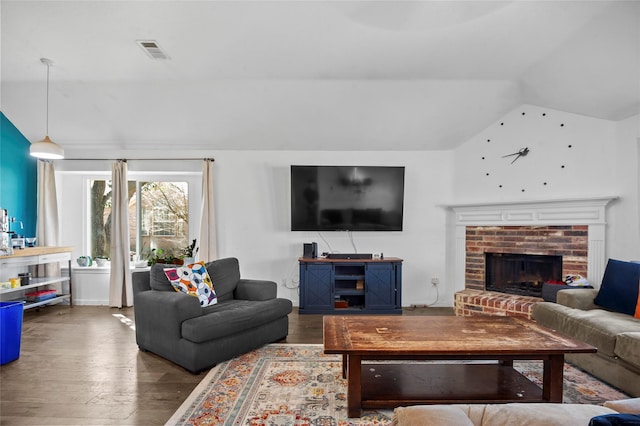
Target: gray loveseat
174, 325
616, 335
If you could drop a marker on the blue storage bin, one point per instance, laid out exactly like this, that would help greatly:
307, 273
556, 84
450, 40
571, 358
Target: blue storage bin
10, 330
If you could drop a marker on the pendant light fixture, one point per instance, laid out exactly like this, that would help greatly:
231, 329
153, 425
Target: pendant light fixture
46, 148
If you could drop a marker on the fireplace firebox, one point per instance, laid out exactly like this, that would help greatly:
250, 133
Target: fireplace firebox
520, 274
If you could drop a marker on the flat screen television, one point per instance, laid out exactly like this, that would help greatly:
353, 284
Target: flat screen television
347, 198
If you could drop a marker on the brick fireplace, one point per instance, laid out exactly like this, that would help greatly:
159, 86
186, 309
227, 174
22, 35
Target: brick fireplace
573, 229
520, 273
570, 242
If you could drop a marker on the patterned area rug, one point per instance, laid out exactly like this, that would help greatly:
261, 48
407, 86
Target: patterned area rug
298, 385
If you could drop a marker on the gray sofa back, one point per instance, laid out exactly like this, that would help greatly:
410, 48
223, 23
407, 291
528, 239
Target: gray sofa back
224, 273
157, 278
140, 281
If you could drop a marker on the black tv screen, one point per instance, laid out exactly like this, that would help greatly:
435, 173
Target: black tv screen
347, 198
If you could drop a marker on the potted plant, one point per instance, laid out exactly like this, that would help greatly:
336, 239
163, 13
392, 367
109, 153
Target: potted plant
163, 256
189, 252
156, 256
101, 260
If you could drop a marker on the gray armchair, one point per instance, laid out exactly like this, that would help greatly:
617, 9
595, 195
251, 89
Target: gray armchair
174, 325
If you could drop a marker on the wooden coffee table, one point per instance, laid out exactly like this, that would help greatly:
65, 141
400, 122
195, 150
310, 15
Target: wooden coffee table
473, 342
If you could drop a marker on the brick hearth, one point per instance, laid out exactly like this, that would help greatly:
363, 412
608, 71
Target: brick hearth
470, 302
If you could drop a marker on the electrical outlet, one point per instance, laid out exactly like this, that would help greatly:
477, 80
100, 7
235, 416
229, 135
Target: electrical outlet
435, 281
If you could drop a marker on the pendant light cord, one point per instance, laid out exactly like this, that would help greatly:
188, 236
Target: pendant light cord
48, 63
46, 148
47, 115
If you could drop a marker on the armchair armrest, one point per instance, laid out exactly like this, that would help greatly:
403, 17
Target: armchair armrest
255, 290
579, 298
159, 315
140, 281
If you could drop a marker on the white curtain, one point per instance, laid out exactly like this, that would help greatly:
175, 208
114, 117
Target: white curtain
120, 289
48, 226
207, 250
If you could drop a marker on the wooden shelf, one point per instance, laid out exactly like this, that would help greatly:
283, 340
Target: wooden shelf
30, 305
21, 260
349, 277
326, 260
52, 301
388, 385
37, 251
35, 283
348, 292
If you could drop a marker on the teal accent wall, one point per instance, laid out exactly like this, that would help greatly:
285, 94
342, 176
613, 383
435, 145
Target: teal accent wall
18, 178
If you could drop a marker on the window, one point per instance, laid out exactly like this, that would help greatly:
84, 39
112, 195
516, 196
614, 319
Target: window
164, 222
158, 217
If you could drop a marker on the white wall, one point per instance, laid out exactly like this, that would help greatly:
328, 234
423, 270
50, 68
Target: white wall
602, 161
624, 241
588, 163
252, 193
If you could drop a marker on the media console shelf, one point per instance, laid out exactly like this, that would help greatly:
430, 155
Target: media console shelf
344, 286
21, 260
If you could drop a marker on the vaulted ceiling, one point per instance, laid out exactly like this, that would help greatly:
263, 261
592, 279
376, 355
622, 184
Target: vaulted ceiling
309, 75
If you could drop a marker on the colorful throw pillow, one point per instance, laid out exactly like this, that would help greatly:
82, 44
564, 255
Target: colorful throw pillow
619, 288
194, 280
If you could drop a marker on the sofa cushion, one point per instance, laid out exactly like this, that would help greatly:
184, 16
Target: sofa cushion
533, 414
435, 415
542, 414
597, 327
225, 274
193, 280
581, 298
232, 317
628, 347
550, 314
628, 406
550, 290
619, 289
157, 278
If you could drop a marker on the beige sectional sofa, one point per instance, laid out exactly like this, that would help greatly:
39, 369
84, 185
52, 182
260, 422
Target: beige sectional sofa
616, 335
531, 414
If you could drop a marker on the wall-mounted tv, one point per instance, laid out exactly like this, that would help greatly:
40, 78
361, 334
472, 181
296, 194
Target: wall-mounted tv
347, 198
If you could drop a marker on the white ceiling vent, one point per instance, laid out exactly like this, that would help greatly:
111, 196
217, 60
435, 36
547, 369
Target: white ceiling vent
153, 49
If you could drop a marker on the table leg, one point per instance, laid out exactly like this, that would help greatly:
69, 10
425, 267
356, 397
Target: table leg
354, 386
552, 378
345, 359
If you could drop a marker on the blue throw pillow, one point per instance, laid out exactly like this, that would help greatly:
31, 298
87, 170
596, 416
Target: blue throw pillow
616, 420
619, 288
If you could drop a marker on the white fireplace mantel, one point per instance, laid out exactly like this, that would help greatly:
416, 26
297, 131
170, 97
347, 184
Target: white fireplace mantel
586, 211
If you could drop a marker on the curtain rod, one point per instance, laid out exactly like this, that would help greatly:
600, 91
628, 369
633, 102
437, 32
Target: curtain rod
138, 159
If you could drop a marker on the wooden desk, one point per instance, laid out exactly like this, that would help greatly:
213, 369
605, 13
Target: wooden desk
362, 340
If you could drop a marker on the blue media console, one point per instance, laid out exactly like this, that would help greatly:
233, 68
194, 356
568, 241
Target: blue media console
350, 286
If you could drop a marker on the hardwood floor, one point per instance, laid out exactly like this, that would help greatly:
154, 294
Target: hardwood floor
81, 366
